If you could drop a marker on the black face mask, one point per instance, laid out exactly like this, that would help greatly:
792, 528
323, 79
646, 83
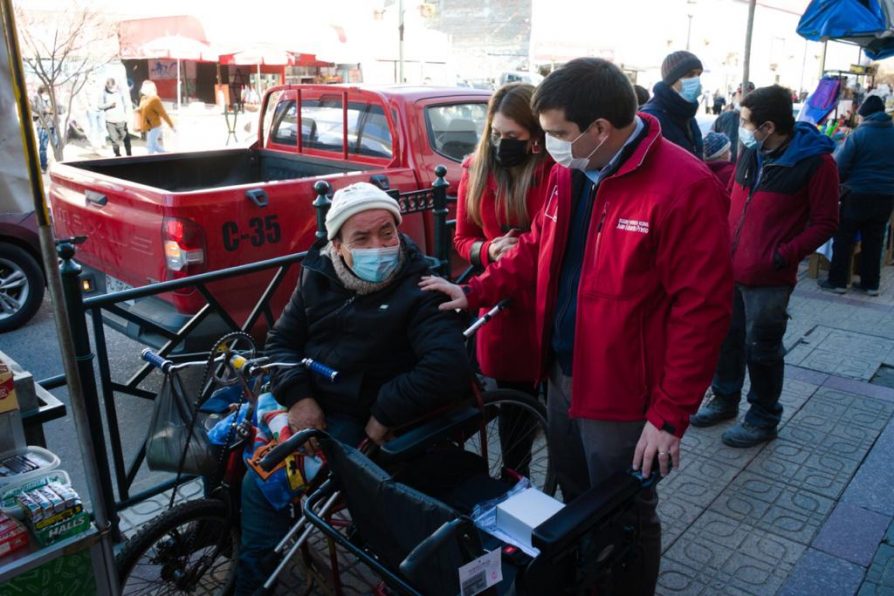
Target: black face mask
510, 152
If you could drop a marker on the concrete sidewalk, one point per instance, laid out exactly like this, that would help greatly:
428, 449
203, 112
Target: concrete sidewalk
811, 512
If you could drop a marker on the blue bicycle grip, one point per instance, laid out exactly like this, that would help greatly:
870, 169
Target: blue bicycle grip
155, 360
320, 369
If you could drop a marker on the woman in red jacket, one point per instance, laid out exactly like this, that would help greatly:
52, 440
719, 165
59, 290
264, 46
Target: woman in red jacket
503, 186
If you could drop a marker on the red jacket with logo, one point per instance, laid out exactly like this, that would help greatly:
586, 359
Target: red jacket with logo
785, 204
655, 290
503, 346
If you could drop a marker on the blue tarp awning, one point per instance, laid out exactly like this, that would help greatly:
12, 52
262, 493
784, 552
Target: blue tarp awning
867, 23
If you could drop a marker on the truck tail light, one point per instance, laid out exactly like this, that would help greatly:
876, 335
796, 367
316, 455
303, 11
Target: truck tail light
184, 246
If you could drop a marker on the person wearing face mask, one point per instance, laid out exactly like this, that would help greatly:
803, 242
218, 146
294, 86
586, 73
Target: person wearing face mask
357, 308
503, 186
675, 101
632, 279
783, 205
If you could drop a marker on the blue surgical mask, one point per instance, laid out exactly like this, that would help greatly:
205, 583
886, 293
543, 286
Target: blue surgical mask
748, 139
375, 264
692, 89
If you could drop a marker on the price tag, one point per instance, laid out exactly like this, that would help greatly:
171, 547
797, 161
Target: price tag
480, 574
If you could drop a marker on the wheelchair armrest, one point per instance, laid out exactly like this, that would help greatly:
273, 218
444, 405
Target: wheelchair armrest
584, 513
416, 440
428, 548
281, 451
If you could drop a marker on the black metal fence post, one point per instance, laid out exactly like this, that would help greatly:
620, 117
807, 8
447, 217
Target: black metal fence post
321, 204
439, 213
71, 288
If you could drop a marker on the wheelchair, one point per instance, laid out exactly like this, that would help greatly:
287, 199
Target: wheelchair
414, 530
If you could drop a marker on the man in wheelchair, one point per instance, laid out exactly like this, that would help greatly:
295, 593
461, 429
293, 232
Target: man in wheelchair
358, 309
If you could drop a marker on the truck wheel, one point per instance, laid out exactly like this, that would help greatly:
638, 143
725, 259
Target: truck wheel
21, 287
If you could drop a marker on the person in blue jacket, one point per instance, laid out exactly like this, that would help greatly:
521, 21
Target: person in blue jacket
866, 168
675, 101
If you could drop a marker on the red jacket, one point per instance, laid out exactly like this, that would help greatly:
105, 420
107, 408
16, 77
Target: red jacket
723, 170
655, 287
789, 207
503, 346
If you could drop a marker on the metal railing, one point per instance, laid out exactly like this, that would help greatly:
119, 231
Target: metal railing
100, 395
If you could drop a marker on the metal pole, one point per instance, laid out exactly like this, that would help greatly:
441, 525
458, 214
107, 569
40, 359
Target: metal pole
179, 92
321, 206
822, 70
400, 42
439, 213
109, 583
688, 32
746, 71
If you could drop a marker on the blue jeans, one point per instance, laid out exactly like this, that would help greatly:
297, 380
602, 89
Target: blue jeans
755, 340
263, 526
43, 139
153, 140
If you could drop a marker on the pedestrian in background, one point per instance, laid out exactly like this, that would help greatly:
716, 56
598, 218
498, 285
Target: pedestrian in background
632, 291
642, 95
728, 124
718, 152
42, 113
784, 204
866, 168
115, 103
675, 101
503, 186
152, 112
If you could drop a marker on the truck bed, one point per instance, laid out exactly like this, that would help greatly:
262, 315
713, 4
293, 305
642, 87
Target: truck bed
184, 172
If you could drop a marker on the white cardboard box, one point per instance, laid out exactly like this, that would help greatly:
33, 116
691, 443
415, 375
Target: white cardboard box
520, 514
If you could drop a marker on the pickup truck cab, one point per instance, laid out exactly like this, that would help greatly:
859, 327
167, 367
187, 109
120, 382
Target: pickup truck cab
160, 217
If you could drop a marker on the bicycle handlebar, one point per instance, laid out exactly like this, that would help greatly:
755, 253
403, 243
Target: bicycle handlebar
247, 367
486, 317
156, 360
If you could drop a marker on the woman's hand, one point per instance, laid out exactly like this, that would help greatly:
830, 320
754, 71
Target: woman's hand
498, 246
457, 297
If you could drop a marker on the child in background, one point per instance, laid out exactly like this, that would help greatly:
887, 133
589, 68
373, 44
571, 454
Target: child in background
718, 152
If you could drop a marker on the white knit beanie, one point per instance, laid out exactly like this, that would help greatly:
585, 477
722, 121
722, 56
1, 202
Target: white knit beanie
355, 199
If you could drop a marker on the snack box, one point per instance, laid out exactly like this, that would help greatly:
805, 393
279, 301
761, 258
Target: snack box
20, 465
8, 401
9, 503
71, 526
13, 536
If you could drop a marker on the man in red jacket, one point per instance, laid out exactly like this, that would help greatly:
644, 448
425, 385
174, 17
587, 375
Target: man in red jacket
784, 204
632, 281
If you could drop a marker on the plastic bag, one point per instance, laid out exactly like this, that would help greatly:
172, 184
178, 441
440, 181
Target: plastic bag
169, 433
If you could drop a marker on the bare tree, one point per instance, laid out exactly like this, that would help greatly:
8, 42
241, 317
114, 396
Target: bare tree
64, 49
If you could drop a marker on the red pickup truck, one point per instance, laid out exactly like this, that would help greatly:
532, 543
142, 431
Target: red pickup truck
160, 217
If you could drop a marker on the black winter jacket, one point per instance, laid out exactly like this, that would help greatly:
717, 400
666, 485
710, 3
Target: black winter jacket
677, 118
398, 356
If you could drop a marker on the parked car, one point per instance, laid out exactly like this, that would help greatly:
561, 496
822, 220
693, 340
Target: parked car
159, 217
22, 281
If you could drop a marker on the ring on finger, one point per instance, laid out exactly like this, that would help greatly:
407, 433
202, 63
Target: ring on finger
660, 453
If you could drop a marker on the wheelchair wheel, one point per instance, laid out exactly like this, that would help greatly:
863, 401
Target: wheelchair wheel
190, 549
516, 438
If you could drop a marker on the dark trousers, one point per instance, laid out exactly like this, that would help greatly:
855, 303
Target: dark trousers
118, 134
867, 214
587, 452
44, 136
754, 341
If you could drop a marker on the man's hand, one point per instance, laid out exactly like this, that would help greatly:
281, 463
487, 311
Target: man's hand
654, 441
376, 431
454, 292
501, 244
307, 414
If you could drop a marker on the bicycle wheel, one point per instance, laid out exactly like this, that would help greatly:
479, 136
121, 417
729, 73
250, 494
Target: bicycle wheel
516, 438
189, 549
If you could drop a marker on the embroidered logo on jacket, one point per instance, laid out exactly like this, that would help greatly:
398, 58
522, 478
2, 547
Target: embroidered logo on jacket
633, 225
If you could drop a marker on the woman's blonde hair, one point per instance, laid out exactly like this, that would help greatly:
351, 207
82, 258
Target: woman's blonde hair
513, 183
148, 88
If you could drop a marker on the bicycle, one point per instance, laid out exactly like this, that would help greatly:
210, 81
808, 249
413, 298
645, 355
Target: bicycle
192, 547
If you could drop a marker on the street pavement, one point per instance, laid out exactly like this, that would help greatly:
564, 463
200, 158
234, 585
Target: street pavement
808, 513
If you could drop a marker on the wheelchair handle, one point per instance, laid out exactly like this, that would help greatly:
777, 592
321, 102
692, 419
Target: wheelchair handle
156, 360
281, 451
320, 369
429, 547
486, 317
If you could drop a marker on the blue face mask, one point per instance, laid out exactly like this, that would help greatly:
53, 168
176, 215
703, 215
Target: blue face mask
748, 139
692, 89
375, 264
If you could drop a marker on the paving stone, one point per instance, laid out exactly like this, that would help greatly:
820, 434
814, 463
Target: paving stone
880, 577
819, 573
705, 442
889, 535
861, 388
699, 482
852, 533
676, 516
871, 486
719, 555
805, 466
791, 512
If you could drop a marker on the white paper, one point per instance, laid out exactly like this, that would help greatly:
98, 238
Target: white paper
480, 574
